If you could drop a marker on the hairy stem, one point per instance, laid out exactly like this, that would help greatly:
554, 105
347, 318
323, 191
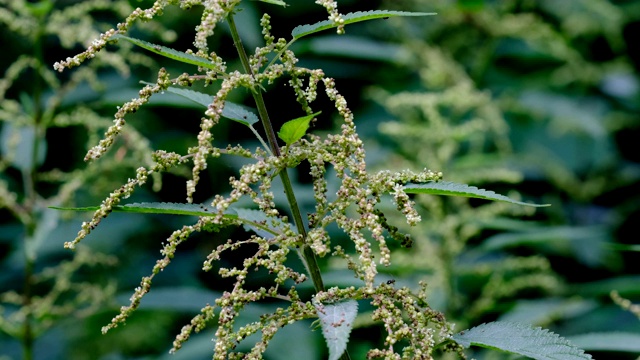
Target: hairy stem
307, 254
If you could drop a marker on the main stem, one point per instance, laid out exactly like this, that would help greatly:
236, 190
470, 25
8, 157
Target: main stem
308, 255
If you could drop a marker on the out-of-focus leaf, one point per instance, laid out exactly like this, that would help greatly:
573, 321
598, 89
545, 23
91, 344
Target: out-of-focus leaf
23, 138
543, 234
46, 223
627, 286
185, 299
608, 341
356, 47
544, 311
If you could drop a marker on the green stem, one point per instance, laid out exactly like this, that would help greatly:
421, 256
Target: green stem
30, 201
307, 253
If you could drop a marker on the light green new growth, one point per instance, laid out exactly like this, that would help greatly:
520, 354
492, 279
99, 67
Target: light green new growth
294, 130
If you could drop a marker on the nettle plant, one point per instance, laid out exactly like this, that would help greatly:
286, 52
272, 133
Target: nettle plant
414, 329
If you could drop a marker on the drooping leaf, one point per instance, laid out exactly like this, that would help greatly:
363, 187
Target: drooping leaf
232, 111
609, 341
168, 52
535, 343
304, 30
258, 222
294, 130
455, 189
336, 321
252, 220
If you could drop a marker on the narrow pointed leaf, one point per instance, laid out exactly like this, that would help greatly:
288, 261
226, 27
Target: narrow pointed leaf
304, 30
521, 339
275, 2
168, 52
258, 222
155, 208
252, 220
336, 321
232, 111
455, 189
294, 130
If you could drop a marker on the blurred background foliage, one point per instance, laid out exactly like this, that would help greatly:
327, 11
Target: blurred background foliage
535, 99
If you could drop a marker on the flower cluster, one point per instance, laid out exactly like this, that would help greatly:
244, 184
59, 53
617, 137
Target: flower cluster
354, 208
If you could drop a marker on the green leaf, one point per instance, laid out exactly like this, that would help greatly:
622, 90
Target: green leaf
20, 153
258, 222
336, 321
232, 111
547, 310
252, 220
174, 298
356, 47
455, 189
275, 2
168, 52
609, 341
294, 130
520, 339
156, 208
304, 30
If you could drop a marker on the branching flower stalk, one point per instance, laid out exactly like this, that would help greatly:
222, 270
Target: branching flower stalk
413, 328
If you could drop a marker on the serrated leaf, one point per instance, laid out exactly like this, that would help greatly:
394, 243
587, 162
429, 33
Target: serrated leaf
535, 343
156, 208
304, 30
609, 341
336, 321
252, 220
294, 130
231, 111
168, 52
258, 222
455, 189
